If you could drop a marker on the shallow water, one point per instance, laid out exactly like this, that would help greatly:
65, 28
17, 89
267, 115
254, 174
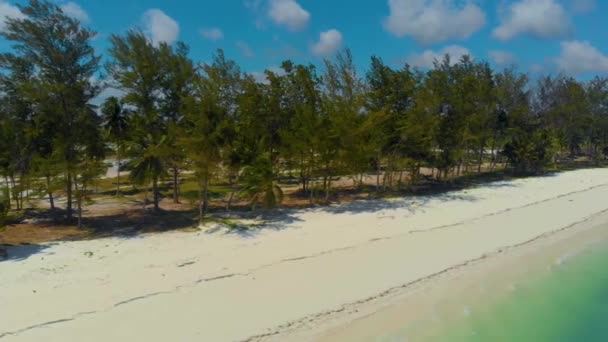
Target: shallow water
567, 303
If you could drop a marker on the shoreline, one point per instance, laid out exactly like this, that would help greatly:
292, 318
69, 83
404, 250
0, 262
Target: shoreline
225, 286
371, 315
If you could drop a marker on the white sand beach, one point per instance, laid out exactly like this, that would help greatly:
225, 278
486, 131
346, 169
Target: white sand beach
283, 280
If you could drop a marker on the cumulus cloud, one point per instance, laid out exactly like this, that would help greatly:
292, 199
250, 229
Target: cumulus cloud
259, 77
288, 13
245, 49
213, 33
578, 57
434, 21
8, 10
160, 27
543, 19
501, 57
428, 57
329, 42
74, 10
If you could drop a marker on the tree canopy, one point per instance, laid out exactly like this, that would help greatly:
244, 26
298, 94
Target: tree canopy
313, 125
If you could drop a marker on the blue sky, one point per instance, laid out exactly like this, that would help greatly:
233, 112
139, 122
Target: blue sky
540, 36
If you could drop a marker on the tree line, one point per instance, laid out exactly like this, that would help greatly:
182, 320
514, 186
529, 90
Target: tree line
312, 124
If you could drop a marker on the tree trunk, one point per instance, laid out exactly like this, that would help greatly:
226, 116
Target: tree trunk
27, 190
69, 195
155, 192
175, 185
378, 170
118, 172
206, 195
480, 158
302, 173
79, 211
311, 189
493, 161
327, 189
15, 192
229, 204
8, 192
21, 198
50, 192
79, 196
201, 213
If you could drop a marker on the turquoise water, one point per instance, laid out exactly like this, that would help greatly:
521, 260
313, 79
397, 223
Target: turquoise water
567, 303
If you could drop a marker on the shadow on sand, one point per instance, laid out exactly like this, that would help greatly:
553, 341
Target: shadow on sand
20, 252
134, 223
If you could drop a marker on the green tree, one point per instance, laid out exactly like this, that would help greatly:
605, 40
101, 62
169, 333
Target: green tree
342, 103
259, 183
59, 50
178, 84
116, 124
136, 68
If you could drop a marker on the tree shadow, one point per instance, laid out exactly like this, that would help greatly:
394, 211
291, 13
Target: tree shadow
21, 252
413, 198
131, 224
272, 219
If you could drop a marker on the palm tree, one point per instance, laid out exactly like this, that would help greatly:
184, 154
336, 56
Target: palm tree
259, 183
148, 162
116, 123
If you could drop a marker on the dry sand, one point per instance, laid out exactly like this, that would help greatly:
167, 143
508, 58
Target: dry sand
275, 282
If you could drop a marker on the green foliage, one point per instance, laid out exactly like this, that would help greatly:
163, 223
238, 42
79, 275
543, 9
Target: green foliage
259, 183
530, 153
50, 73
306, 123
4, 204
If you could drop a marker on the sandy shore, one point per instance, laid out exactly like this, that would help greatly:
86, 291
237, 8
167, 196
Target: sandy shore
283, 280
431, 309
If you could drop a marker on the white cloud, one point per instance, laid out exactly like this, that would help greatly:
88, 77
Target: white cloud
542, 19
329, 42
426, 58
582, 6
8, 10
537, 68
288, 13
108, 92
213, 33
74, 10
434, 21
253, 5
245, 49
502, 57
160, 27
260, 77
578, 57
